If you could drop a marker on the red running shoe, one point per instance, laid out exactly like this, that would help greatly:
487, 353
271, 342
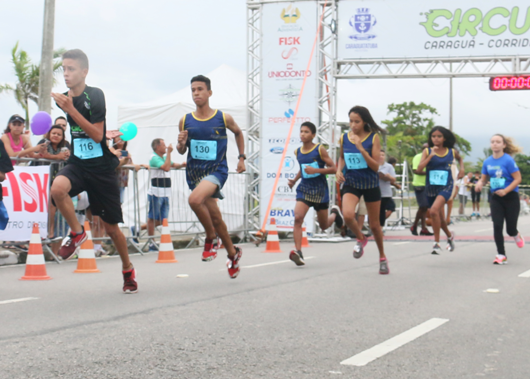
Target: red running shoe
129, 281
210, 250
233, 263
72, 244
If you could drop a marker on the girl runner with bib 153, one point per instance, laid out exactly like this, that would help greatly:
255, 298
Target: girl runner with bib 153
438, 158
504, 180
359, 153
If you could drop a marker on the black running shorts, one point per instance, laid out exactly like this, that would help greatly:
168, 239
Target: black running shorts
317, 206
102, 189
370, 195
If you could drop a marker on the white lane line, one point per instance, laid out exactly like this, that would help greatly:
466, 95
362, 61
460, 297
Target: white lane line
17, 300
270, 263
393, 343
484, 230
525, 274
401, 243
274, 263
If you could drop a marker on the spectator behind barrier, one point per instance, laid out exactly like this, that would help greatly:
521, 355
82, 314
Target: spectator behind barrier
119, 148
16, 142
5, 167
61, 121
158, 195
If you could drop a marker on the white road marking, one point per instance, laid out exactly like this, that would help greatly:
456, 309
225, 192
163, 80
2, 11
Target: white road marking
525, 274
274, 263
270, 263
17, 300
484, 230
401, 243
393, 343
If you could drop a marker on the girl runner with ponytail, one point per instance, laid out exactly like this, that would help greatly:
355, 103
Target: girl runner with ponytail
359, 153
438, 158
504, 180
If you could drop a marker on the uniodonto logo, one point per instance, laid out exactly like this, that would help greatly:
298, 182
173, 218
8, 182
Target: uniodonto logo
496, 21
362, 23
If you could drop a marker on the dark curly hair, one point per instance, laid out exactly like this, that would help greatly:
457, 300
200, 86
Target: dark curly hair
450, 139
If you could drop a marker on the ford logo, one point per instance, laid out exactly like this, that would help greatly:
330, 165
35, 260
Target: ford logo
277, 150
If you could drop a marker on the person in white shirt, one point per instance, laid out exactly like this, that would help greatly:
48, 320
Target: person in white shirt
464, 192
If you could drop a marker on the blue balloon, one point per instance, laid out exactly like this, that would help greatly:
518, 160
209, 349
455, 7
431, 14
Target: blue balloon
129, 131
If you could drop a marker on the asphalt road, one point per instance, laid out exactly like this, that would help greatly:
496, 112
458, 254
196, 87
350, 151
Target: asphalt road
276, 320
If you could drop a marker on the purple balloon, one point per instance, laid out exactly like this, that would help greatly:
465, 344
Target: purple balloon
41, 123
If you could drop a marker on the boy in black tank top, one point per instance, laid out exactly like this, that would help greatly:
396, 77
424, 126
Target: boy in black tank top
202, 199
91, 166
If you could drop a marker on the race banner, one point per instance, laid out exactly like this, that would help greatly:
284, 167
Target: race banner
288, 30
433, 28
25, 191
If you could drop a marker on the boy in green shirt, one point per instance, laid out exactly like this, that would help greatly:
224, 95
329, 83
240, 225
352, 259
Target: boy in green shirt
160, 190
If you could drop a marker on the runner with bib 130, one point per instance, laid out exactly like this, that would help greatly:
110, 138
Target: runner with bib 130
359, 152
313, 190
505, 178
438, 159
203, 135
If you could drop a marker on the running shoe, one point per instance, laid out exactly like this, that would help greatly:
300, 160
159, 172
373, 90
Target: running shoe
436, 249
473, 214
133, 233
210, 250
451, 242
152, 246
339, 219
425, 232
100, 251
358, 250
478, 214
129, 281
233, 263
519, 240
297, 257
72, 244
500, 260
414, 230
383, 267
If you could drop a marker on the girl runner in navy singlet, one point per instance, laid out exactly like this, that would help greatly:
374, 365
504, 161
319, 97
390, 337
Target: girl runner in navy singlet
438, 158
359, 155
313, 189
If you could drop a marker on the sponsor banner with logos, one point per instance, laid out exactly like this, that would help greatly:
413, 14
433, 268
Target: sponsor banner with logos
25, 193
433, 28
289, 30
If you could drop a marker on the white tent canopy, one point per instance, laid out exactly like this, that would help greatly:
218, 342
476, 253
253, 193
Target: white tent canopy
159, 119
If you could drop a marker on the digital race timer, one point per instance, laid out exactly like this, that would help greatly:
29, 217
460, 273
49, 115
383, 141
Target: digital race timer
507, 83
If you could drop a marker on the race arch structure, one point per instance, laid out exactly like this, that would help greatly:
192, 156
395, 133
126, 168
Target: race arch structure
332, 64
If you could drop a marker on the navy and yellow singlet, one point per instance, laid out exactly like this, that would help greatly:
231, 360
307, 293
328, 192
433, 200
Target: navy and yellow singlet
439, 177
313, 187
207, 143
358, 174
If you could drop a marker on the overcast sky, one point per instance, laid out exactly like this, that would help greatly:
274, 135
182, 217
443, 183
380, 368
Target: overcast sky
143, 50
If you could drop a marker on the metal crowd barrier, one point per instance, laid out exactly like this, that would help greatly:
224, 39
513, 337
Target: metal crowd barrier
182, 220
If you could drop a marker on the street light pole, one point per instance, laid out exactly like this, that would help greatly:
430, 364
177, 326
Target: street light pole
451, 99
46, 61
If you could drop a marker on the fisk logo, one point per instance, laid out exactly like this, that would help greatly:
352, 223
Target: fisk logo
291, 53
288, 41
290, 14
34, 188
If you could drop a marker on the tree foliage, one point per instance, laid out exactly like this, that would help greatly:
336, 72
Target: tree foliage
409, 129
27, 77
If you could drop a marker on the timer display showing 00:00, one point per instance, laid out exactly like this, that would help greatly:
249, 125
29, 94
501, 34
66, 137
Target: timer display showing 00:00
507, 83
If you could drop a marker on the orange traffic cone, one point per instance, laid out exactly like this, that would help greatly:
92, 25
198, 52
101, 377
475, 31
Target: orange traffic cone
305, 242
86, 262
35, 266
166, 254
273, 242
